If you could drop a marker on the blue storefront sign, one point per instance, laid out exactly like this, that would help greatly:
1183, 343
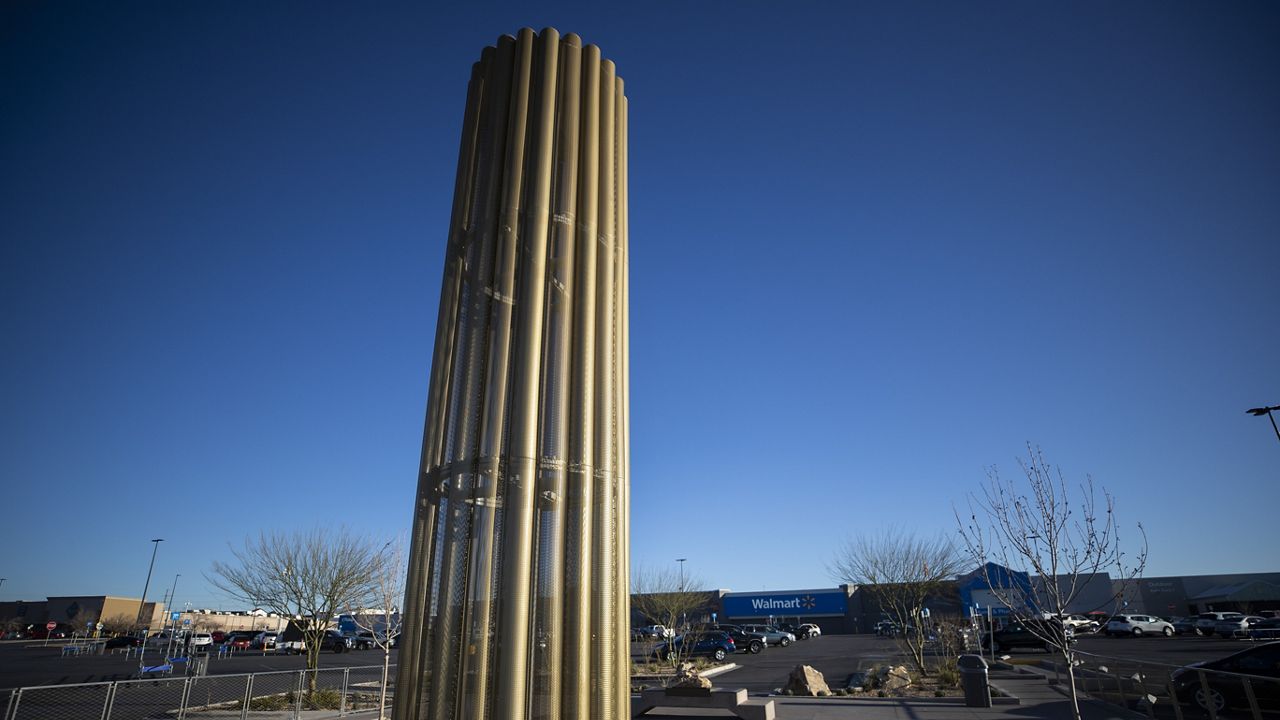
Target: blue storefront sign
807, 603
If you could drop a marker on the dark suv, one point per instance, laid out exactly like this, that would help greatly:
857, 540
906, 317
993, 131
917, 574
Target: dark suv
745, 641
1027, 633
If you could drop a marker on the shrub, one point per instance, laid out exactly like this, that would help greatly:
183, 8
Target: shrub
948, 676
323, 700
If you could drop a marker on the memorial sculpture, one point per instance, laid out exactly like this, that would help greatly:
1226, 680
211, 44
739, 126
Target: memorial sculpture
517, 603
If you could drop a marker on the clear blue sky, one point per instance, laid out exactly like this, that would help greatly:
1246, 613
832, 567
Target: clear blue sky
875, 249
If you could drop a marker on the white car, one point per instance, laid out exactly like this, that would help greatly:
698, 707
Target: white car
1138, 625
201, 642
1080, 623
809, 630
1207, 622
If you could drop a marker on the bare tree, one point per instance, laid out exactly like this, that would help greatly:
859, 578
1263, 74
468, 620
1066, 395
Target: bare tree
901, 571
310, 575
662, 596
120, 623
386, 590
1057, 542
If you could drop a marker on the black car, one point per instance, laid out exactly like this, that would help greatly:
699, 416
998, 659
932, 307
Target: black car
335, 641
124, 641
1027, 633
1226, 686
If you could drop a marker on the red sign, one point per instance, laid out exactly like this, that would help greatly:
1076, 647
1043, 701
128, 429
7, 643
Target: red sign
50, 625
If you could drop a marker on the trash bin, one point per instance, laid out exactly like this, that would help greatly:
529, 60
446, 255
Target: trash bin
973, 679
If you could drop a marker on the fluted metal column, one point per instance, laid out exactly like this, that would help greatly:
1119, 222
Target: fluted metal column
517, 602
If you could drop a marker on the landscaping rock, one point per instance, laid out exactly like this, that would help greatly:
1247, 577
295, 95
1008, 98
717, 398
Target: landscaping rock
805, 680
687, 677
895, 678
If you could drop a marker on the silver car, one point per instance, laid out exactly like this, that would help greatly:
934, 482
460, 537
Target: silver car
1138, 625
1237, 626
772, 635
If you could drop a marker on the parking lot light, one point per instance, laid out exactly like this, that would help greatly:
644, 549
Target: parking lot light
1260, 411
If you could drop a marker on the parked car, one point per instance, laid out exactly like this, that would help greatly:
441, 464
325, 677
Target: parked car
218, 636
265, 640
772, 634
362, 640
1028, 633
1236, 627
715, 644
201, 642
1268, 629
123, 641
239, 640
808, 630
1080, 624
748, 642
1208, 621
653, 632
1138, 625
1226, 691
887, 628
1184, 625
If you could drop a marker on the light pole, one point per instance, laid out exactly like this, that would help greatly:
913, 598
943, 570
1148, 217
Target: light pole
1259, 412
142, 606
684, 620
173, 595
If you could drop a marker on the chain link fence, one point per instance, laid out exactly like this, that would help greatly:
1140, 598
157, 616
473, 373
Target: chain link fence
283, 695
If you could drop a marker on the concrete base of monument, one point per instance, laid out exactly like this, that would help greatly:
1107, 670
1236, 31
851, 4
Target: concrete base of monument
735, 701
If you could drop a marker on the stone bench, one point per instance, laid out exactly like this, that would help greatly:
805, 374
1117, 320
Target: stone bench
735, 701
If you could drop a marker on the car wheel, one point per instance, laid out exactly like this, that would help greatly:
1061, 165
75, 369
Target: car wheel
1168, 632
1214, 698
1137, 632
754, 647
784, 642
718, 654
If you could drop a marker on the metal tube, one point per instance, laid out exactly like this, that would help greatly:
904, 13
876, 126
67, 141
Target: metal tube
548, 631
449, 637
622, 615
427, 502
483, 559
603, 521
514, 625
578, 538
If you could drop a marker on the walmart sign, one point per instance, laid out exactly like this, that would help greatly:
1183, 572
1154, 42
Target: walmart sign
806, 603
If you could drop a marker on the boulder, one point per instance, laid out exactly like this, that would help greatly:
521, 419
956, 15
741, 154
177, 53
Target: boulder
688, 678
894, 678
805, 680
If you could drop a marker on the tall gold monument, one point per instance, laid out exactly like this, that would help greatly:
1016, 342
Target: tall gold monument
517, 603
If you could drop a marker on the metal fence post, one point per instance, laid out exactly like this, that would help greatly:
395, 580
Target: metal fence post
1173, 697
186, 695
1208, 696
1253, 699
14, 699
297, 705
342, 700
248, 697
111, 700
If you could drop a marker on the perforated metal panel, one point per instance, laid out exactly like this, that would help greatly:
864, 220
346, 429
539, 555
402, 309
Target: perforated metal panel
517, 600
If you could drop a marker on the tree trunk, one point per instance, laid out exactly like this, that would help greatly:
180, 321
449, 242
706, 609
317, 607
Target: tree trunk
386, 666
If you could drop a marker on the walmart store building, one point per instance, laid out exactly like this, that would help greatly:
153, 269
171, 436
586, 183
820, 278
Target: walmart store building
844, 609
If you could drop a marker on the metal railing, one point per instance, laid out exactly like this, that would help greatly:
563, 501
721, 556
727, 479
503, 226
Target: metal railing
1180, 692
282, 694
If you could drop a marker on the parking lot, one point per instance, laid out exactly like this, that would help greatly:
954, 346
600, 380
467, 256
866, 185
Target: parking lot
836, 656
